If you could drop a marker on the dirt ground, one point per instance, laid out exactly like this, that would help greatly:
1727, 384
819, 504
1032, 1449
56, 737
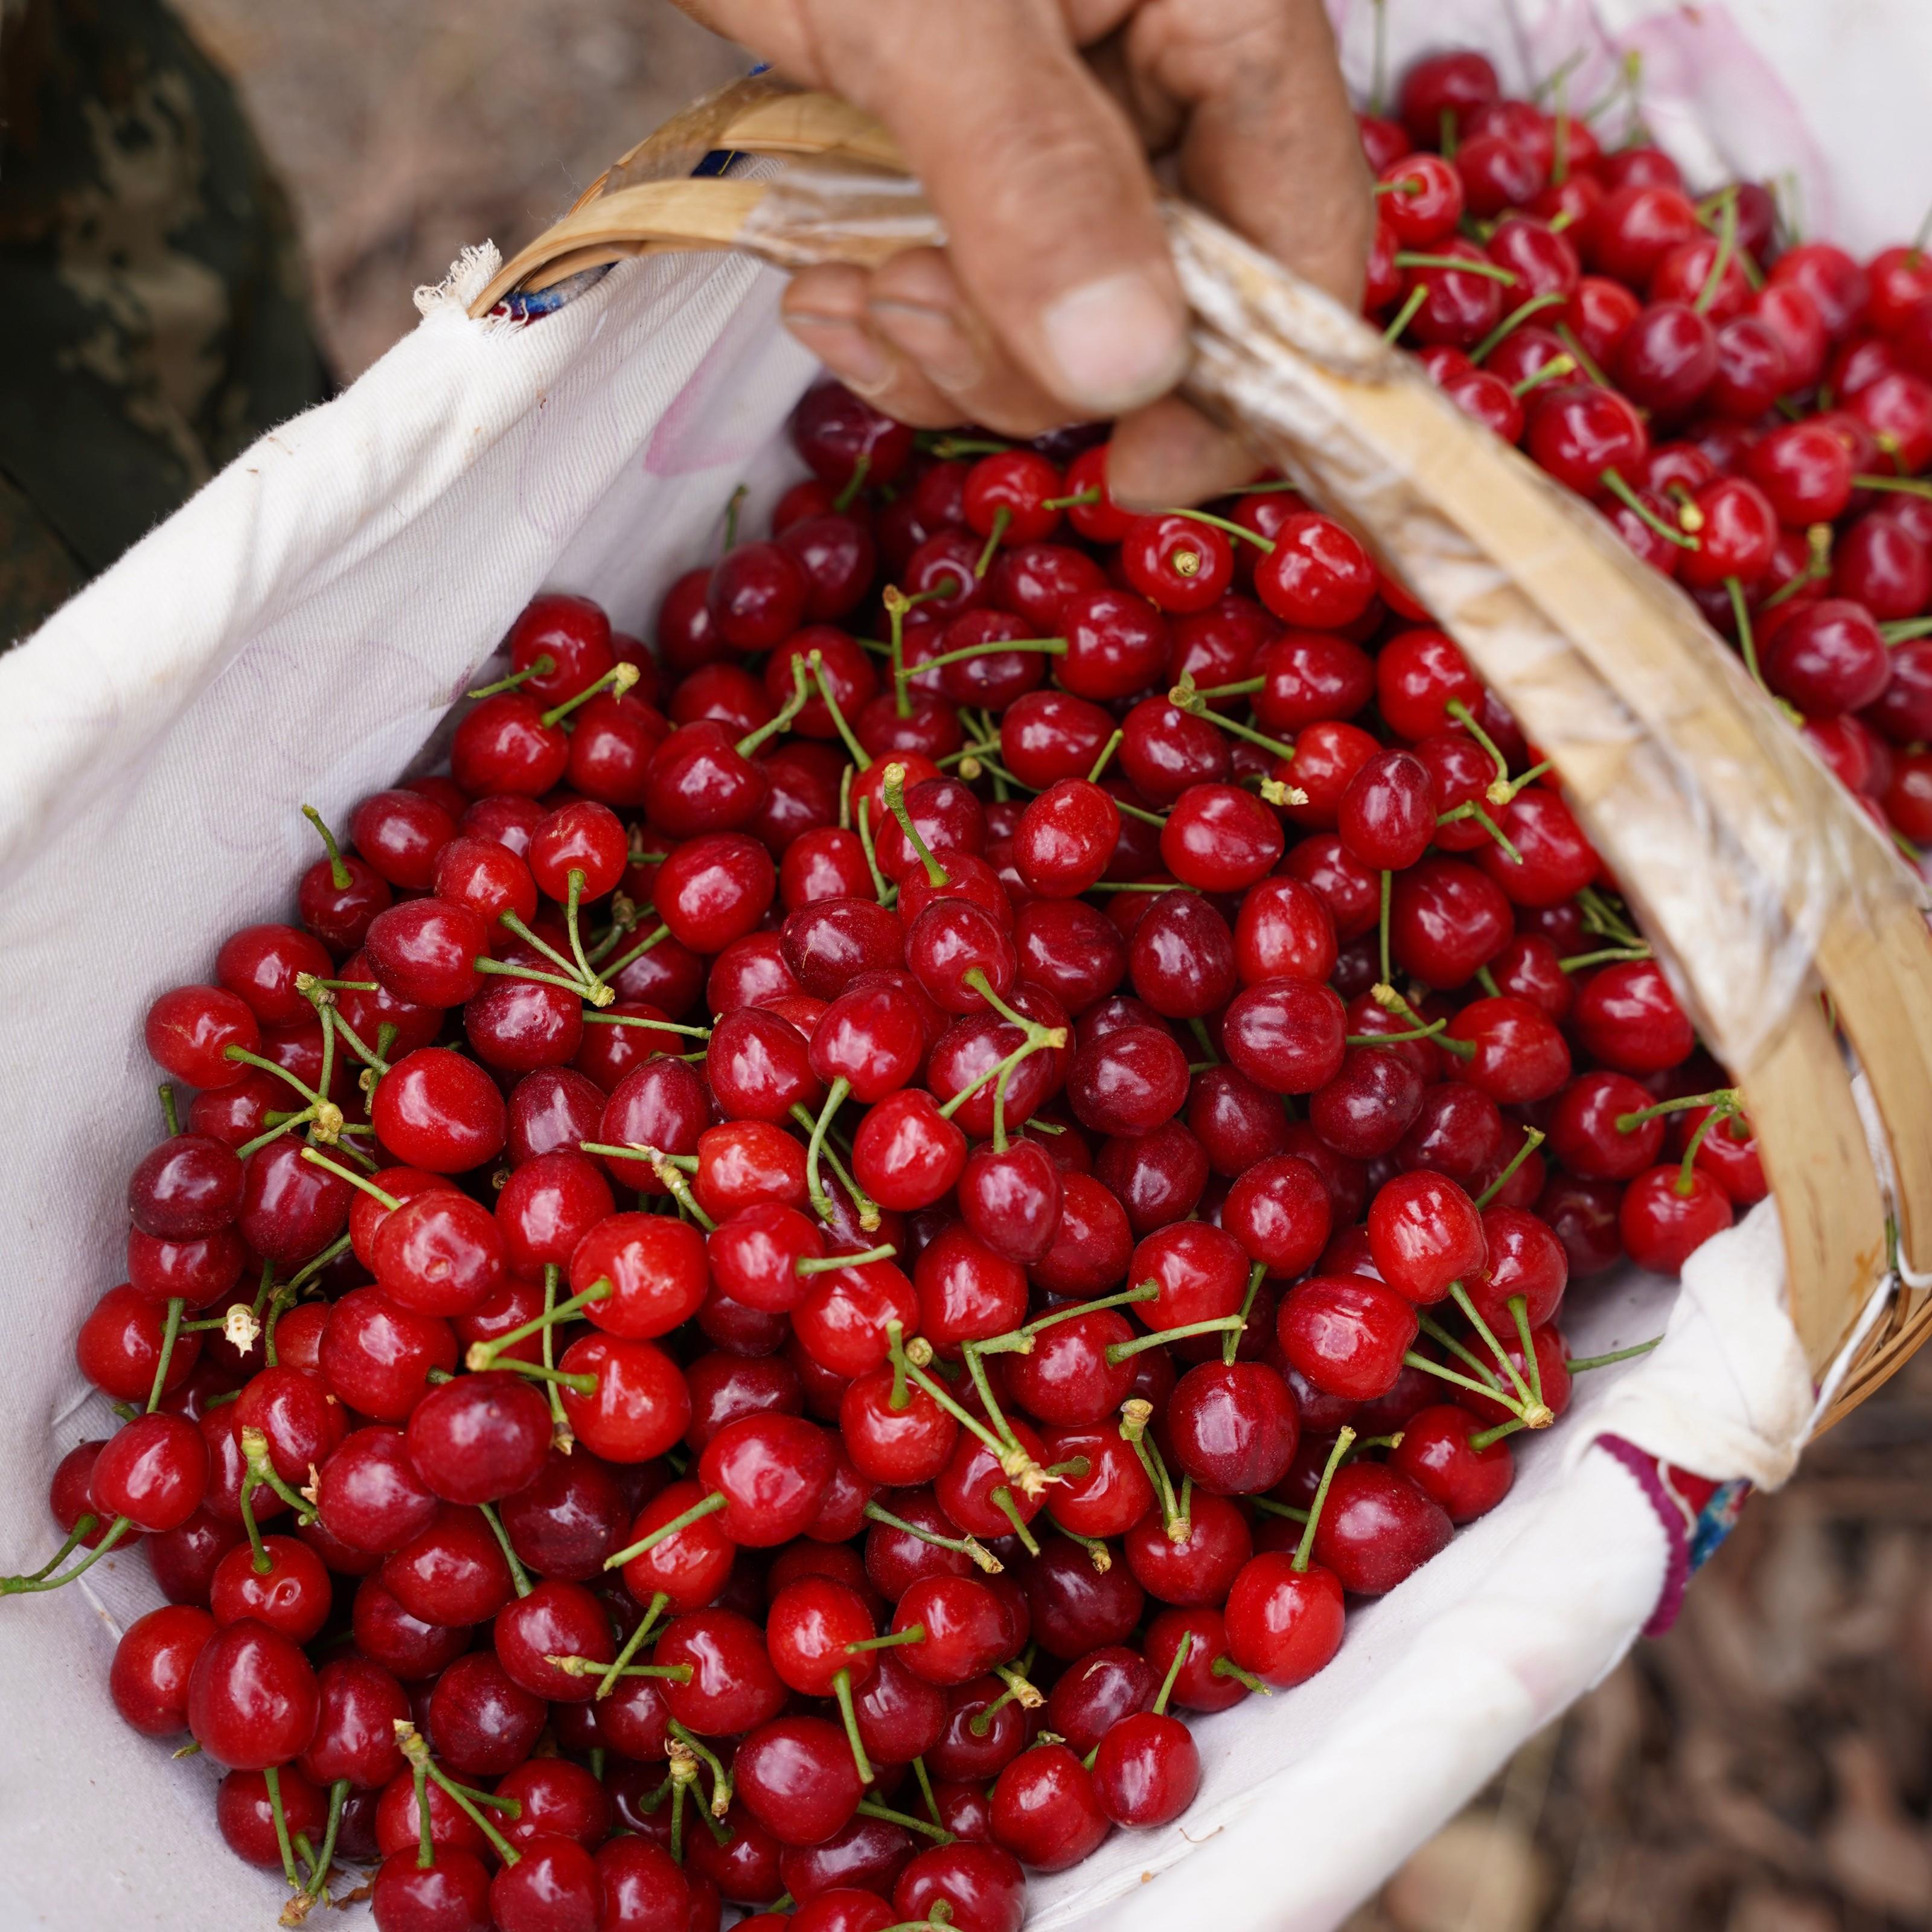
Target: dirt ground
405, 129
1766, 1767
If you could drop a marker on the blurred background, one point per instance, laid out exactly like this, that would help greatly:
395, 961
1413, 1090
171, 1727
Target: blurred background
1766, 1766
403, 132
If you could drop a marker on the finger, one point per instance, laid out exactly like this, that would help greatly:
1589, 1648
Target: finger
916, 304
1270, 141
1046, 196
1169, 455
826, 309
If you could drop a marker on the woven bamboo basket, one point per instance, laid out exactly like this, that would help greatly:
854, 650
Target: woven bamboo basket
1775, 904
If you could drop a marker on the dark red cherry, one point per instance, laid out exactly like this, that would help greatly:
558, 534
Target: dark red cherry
981, 1885
1046, 1810
1378, 1528
1286, 1034
1436, 1455
1196, 1566
1233, 1427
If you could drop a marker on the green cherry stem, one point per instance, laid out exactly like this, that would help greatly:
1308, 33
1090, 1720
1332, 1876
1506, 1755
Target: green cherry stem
720, 1781
1121, 1352
659, 1603
869, 1216
562, 1436
409, 1741
1582, 355
1550, 298
654, 938
892, 791
1518, 1308
519, 1576
1554, 370
368, 1187
1533, 1138
1613, 482
1535, 1412
963, 1545
1183, 697
1455, 264
1577, 1364
832, 1263
169, 1334
540, 666
1724, 1098
835, 1099
1469, 808
1411, 307
706, 1507
861, 756
801, 693
935, 1832
271, 1778
842, 1689
21, 1586
339, 874
1107, 751
618, 678
1727, 247
1231, 1346
242, 1057
1305, 1548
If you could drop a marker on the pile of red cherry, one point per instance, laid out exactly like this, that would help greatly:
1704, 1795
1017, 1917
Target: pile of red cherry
828, 1229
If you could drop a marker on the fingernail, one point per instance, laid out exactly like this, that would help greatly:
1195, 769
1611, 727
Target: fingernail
845, 349
932, 338
1117, 343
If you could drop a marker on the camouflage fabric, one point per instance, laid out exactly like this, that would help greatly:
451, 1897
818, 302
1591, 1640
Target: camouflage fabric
152, 309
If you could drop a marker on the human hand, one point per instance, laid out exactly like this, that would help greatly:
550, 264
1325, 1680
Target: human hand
1030, 123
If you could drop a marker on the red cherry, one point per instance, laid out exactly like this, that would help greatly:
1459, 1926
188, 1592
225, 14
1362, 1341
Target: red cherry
1347, 1336
1436, 1453
1278, 1209
480, 1437
251, 1698
1627, 1018
1284, 1623
1286, 1034
1178, 562
1377, 1529
1425, 200
1233, 1427
154, 1471
152, 1664
369, 1496
1663, 1221
1578, 432
189, 1030
291, 1596
1195, 1568
1317, 576
981, 1885
454, 1573
1116, 645
1046, 1809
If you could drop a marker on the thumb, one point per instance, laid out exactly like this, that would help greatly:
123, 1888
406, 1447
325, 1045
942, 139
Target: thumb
1046, 196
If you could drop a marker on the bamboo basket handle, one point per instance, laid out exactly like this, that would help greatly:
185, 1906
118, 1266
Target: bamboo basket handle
1600, 660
